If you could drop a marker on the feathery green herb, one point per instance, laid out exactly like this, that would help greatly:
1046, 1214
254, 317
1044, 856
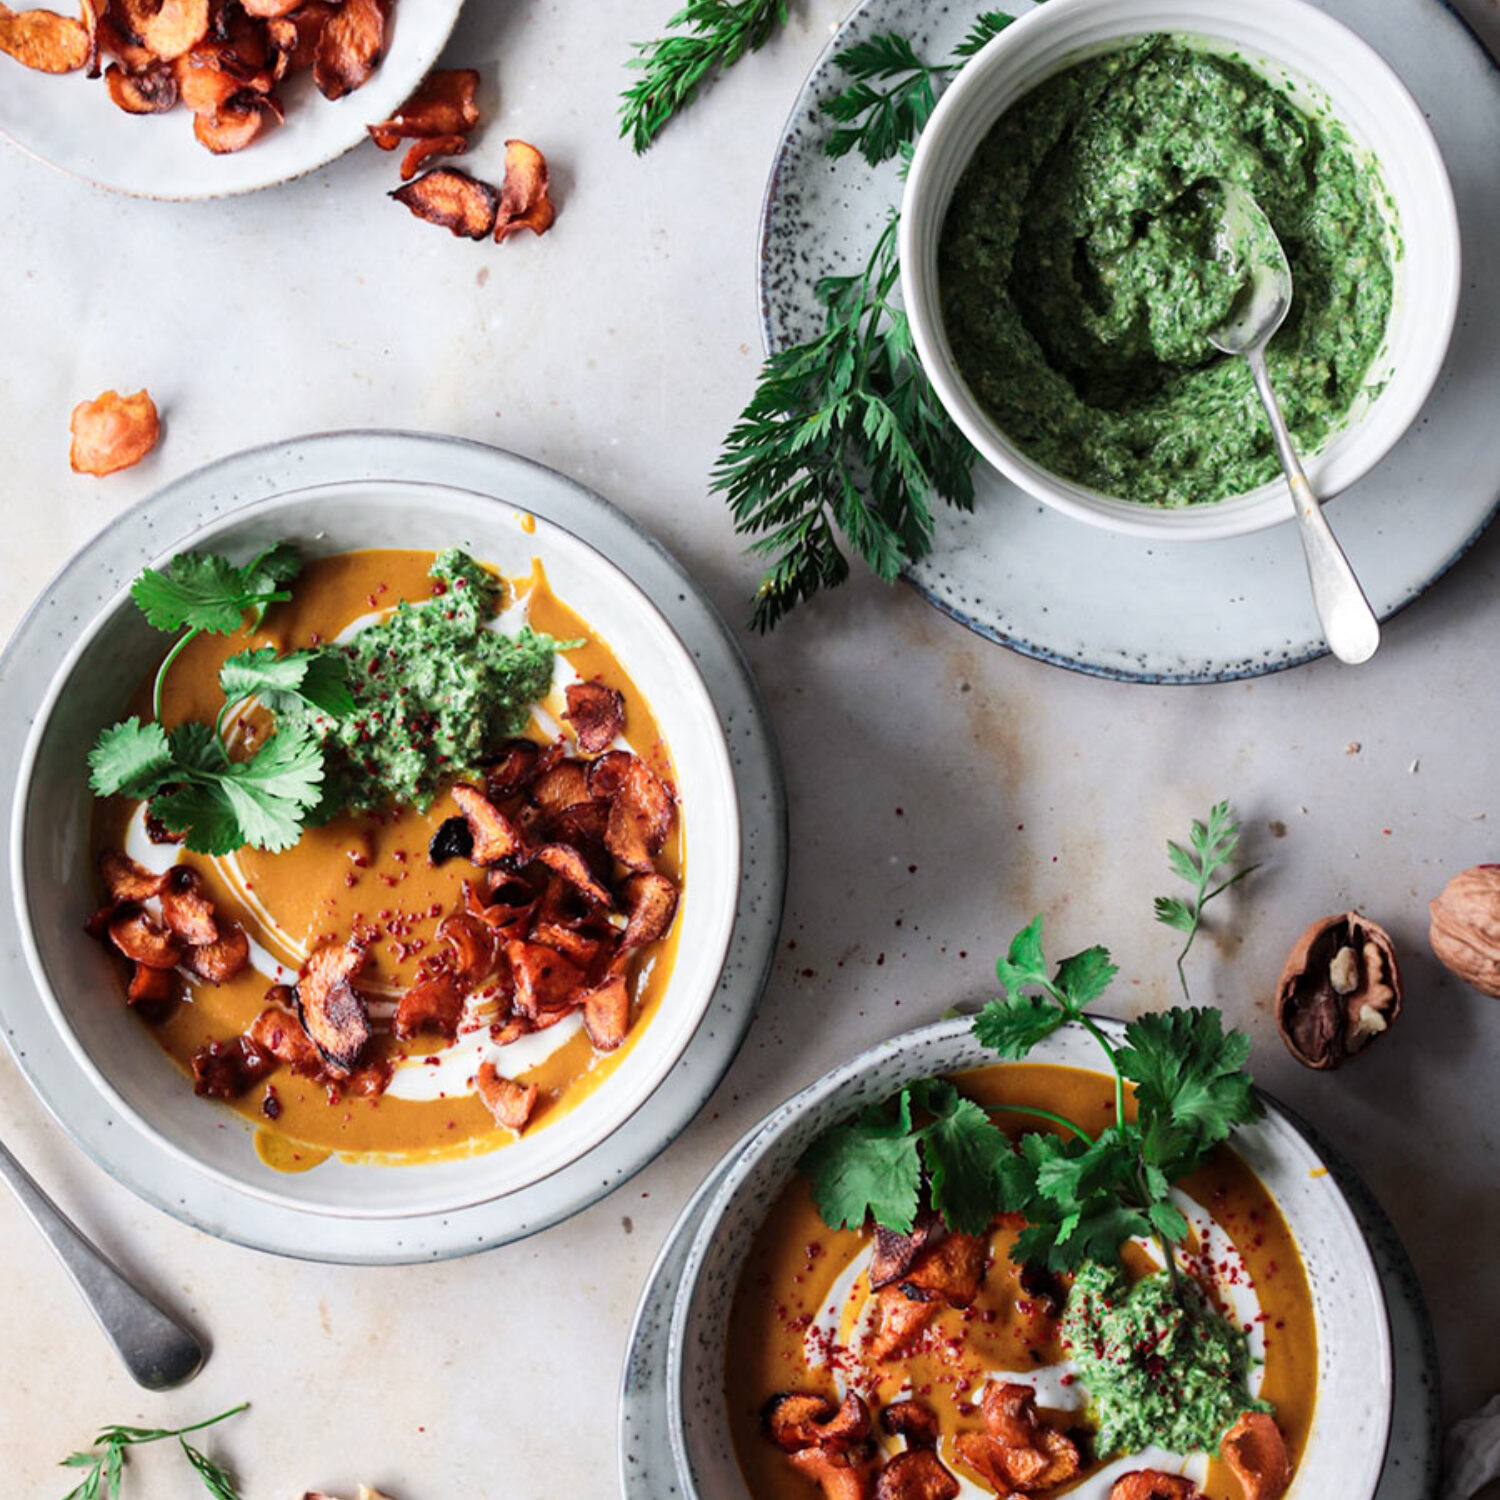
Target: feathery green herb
105, 1469
704, 38
1213, 847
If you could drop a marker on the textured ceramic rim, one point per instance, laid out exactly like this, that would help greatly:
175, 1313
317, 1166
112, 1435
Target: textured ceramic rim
379, 98
944, 148
650, 1060
1216, 667
818, 1097
131, 1156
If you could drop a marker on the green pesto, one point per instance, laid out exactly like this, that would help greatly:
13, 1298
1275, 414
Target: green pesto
1080, 268
1159, 1364
435, 689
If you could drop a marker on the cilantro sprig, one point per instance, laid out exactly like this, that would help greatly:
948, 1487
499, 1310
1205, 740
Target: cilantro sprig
1212, 847
106, 1468
217, 801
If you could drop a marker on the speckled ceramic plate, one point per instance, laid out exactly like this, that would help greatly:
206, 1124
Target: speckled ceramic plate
140, 1158
70, 122
647, 1465
1033, 579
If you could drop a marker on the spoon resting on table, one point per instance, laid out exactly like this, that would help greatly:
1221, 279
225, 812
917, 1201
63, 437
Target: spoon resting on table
1349, 624
158, 1351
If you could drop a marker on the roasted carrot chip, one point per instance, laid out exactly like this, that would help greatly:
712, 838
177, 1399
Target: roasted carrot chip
841, 1475
268, 10
350, 46
203, 82
561, 787
606, 1013
523, 193
433, 145
333, 1012
225, 1070
45, 41
1256, 1452
952, 1269
127, 881
167, 28
443, 105
917, 1474
607, 774
235, 124
496, 837
510, 1102
143, 942
516, 766
895, 1252
220, 961
151, 987
307, 21
279, 1033
112, 432
435, 1004
188, 912
900, 1320
583, 825
1152, 1484
566, 861
652, 903
640, 816
1016, 1453
152, 91
803, 1419
913, 1420
597, 714
133, 57
473, 943
545, 980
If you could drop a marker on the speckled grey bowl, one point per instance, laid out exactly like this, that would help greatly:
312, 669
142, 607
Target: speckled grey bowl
1351, 1423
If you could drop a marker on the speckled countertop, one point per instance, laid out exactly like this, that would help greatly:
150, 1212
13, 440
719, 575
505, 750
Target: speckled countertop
942, 790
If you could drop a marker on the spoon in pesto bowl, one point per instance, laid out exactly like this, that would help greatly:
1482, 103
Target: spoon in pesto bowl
1247, 238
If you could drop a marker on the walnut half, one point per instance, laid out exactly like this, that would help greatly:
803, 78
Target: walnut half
1340, 989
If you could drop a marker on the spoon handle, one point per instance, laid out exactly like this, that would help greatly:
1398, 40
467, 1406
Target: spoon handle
1349, 624
158, 1351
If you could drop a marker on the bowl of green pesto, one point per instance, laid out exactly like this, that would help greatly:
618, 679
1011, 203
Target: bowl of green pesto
1063, 258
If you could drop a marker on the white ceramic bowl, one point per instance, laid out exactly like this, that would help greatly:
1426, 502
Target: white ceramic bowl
1327, 65
1345, 1448
79, 982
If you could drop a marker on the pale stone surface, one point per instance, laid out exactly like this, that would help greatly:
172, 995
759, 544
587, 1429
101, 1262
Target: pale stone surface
618, 350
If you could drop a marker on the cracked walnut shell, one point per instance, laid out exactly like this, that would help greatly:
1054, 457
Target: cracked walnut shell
1465, 931
1339, 991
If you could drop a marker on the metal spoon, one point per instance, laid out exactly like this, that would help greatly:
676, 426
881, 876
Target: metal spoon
158, 1351
1349, 624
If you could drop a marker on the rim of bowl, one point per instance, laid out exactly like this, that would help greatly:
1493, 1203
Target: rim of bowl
717, 945
1269, 504
754, 1144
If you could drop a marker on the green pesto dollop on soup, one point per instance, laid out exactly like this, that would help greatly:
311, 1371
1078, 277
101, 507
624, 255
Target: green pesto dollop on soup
1081, 266
1161, 1367
436, 689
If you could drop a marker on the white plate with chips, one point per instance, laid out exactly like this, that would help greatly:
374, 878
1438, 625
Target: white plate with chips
70, 122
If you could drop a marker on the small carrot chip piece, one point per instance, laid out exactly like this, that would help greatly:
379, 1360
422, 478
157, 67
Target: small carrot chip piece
510, 1102
127, 881
473, 942
307, 23
496, 837
150, 92
350, 46
333, 1012
269, 10
801, 1419
143, 942
112, 432
225, 1070
606, 1013
545, 980
188, 912
565, 860
523, 193
917, 1474
279, 1033
952, 1269
220, 961
913, 1420
652, 903
562, 787
597, 713
841, 1475
151, 987
203, 82
640, 816
435, 1004
443, 105
607, 774
1256, 1452
895, 1252
234, 125
571, 942
901, 1321
452, 199
1152, 1484
166, 27
433, 145
45, 41
517, 764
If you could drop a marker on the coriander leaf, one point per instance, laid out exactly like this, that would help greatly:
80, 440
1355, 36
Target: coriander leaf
867, 1166
1024, 963
203, 815
272, 790
270, 572
1085, 976
1015, 1025
129, 758
1168, 1222
963, 1153
312, 680
196, 748
200, 590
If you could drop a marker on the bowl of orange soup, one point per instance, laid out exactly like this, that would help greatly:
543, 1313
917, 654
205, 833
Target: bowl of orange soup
416, 870
806, 1360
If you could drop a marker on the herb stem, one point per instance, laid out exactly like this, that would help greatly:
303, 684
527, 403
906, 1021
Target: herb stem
161, 671
1045, 1114
1093, 1029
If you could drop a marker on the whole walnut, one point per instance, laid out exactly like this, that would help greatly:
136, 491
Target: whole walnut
1339, 991
1465, 932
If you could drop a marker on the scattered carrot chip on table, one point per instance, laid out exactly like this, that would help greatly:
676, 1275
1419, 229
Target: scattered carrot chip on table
113, 432
524, 203
443, 105
459, 203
